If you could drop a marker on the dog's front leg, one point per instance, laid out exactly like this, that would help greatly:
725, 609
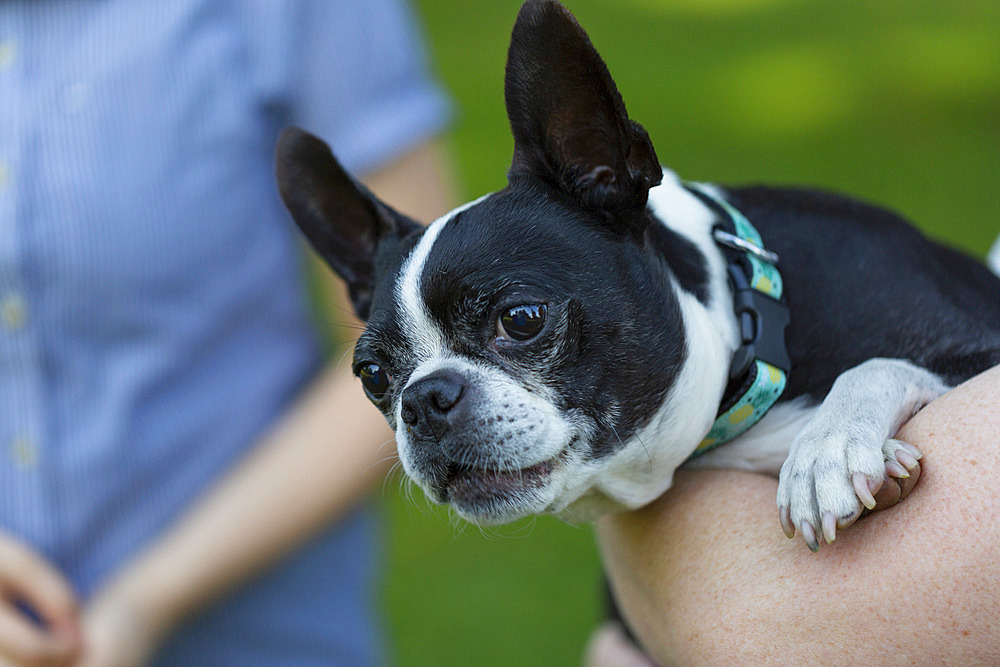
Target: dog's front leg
844, 452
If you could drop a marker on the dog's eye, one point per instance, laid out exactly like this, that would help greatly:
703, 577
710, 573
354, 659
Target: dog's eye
521, 323
375, 381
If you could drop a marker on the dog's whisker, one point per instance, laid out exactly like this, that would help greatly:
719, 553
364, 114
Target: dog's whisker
349, 350
457, 524
391, 440
393, 470
330, 323
521, 530
407, 486
379, 461
649, 459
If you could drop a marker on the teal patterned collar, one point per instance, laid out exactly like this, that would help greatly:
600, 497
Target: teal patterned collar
760, 366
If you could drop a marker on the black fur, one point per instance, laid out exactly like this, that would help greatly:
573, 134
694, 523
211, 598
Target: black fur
684, 259
861, 283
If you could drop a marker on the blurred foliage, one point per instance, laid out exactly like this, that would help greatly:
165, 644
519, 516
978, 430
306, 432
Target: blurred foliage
894, 101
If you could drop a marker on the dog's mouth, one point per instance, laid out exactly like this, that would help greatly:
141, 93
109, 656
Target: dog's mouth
492, 495
471, 487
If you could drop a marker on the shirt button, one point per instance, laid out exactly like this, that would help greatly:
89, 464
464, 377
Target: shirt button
13, 311
7, 52
24, 453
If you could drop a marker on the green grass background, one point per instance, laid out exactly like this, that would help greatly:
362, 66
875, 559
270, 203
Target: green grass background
895, 101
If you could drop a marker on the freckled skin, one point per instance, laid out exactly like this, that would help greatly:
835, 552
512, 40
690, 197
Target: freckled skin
919, 582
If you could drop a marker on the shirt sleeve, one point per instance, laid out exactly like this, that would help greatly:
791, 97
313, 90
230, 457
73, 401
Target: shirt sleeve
356, 74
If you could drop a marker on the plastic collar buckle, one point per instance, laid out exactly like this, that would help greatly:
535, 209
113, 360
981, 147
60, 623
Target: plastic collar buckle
762, 321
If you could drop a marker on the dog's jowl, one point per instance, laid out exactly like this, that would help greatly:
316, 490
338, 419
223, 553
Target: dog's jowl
564, 344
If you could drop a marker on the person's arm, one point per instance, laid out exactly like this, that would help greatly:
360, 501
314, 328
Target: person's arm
316, 463
704, 575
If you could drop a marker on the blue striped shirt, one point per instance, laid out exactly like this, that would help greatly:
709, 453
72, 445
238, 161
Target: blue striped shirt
152, 318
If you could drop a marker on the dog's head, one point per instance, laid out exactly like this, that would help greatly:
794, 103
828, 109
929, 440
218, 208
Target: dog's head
520, 344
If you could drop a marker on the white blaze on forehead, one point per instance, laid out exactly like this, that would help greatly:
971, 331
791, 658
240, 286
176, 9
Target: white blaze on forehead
419, 329
426, 337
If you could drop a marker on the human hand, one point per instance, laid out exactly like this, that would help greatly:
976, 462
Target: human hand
28, 579
119, 630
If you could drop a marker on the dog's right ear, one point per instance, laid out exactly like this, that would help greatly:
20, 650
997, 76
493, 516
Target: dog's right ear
343, 220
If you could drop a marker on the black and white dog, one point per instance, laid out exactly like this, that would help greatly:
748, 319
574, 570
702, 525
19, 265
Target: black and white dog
565, 344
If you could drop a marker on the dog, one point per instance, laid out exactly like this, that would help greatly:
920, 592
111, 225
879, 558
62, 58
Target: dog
565, 344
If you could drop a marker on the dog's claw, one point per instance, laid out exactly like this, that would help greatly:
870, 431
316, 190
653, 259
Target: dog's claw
785, 518
907, 459
893, 469
829, 527
809, 535
861, 487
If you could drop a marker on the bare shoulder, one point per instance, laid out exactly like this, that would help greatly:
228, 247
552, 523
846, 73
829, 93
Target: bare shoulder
706, 573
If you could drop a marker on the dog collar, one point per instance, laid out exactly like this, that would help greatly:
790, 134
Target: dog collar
760, 366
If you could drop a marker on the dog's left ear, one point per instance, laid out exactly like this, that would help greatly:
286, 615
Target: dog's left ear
568, 118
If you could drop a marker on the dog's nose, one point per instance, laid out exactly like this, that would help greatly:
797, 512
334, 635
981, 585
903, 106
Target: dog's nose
426, 403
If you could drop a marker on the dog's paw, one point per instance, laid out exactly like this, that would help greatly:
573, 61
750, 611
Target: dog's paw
828, 482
